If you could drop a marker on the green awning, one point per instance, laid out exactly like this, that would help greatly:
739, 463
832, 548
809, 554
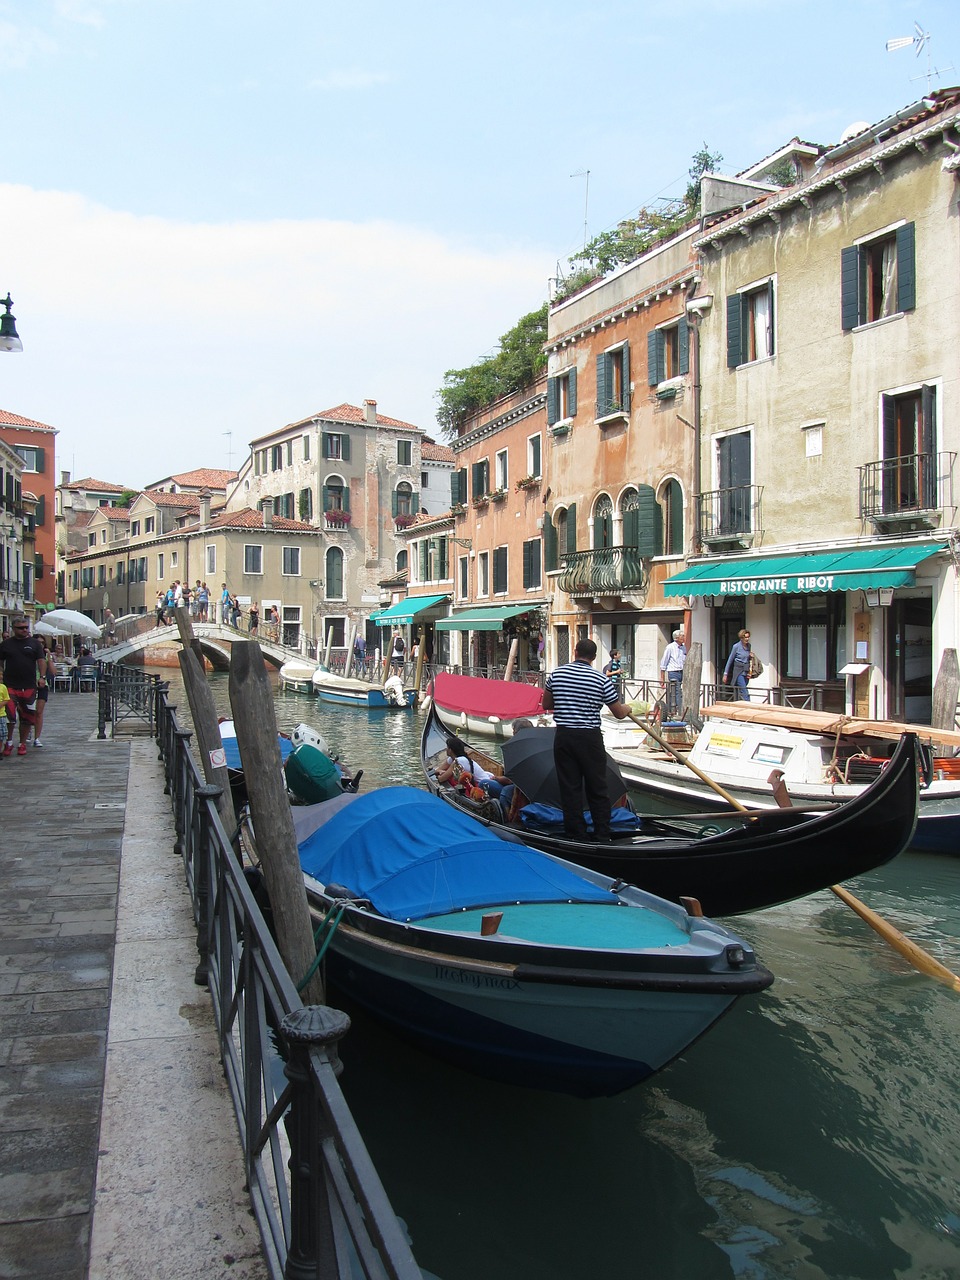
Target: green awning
859, 569
483, 619
405, 610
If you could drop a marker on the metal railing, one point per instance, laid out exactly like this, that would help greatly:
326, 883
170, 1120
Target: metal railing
731, 515
603, 571
320, 1206
125, 693
906, 486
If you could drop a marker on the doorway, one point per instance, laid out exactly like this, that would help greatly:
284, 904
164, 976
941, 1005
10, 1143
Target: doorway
910, 646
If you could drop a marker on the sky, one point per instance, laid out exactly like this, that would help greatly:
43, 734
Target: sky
219, 217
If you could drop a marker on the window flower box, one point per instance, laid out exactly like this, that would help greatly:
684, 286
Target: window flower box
481, 500
403, 521
560, 429
498, 495
458, 509
337, 519
528, 482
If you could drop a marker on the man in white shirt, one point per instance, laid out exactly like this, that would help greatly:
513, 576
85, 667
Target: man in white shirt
671, 673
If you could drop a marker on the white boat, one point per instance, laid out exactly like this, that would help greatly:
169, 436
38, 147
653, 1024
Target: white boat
297, 675
347, 691
823, 757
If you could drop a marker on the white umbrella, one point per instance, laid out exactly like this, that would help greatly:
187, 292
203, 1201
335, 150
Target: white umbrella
45, 629
73, 623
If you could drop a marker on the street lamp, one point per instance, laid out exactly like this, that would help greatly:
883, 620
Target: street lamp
9, 338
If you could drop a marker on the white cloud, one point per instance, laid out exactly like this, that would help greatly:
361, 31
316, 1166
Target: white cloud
145, 340
20, 44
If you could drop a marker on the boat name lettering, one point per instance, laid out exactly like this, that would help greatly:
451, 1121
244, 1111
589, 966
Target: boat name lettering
760, 586
467, 979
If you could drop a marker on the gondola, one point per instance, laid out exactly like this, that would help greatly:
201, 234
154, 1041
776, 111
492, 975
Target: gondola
732, 862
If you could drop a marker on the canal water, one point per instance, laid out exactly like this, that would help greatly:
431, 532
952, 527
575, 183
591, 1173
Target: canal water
812, 1133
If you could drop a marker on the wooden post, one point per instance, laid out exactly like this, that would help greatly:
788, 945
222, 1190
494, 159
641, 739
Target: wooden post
690, 684
511, 658
348, 665
204, 713
945, 692
327, 648
421, 657
251, 699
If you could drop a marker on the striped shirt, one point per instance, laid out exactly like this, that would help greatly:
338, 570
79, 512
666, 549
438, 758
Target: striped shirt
579, 691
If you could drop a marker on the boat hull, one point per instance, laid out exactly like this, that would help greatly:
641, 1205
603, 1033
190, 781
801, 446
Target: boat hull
733, 863
370, 700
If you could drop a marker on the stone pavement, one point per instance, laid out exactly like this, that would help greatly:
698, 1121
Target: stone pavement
119, 1155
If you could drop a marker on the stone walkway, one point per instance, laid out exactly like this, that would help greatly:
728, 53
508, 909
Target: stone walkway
111, 1090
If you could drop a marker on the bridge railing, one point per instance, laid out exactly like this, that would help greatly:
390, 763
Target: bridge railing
319, 1204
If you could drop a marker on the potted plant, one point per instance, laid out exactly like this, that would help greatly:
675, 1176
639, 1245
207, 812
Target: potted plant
498, 495
338, 519
527, 482
481, 499
403, 521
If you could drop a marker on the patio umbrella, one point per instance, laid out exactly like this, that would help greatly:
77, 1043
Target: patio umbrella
73, 623
45, 629
528, 761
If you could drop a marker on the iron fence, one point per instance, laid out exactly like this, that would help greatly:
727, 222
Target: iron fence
319, 1203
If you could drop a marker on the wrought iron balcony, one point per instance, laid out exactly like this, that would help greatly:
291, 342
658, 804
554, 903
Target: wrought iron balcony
912, 487
731, 516
606, 571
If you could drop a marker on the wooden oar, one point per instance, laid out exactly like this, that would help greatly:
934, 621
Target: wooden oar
919, 958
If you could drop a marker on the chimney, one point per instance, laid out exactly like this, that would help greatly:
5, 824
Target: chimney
204, 510
370, 412
64, 477
267, 518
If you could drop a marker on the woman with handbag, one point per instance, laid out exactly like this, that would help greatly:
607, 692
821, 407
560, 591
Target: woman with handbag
737, 671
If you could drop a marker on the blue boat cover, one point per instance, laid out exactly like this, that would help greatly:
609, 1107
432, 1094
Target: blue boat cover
548, 818
412, 855
232, 750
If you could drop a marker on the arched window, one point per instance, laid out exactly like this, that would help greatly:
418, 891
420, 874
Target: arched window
401, 560
336, 495
334, 566
602, 523
404, 500
671, 503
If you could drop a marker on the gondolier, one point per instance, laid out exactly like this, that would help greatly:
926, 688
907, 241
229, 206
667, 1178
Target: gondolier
576, 693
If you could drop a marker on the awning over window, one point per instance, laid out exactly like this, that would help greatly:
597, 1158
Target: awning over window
858, 569
405, 610
483, 619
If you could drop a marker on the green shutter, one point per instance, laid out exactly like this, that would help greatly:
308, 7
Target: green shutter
683, 331
346, 497
414, 503
424, 560
476, 480
676, 517
553, 402
625, 364
603, 394
40, 516
326, 445
326, 497
526, 565
40, 455
650, 521
455, 498
549, 544
654, 356
394, 504
849, 287
345, 448
906, 268
631, 526
571, 529
733, 331
572, 392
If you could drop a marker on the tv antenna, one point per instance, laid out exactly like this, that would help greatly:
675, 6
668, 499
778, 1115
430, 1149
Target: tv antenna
229, 435
584, 173
920, 39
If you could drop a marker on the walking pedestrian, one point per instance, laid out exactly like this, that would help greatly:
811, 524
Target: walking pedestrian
110, 628
736, 671
22, 655
671, 673
160, 609
48, 669
398, 648
576, 694
224, 605
253, 617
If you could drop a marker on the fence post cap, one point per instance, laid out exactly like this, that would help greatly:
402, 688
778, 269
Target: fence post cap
315, 1024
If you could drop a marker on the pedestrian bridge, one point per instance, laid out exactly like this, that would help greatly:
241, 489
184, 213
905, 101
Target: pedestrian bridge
215, 638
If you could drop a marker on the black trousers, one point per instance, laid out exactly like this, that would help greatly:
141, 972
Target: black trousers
581, 764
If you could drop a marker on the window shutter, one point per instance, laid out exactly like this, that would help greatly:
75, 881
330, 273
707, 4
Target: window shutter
424, 560
572, 392
676, 517
928, 427
549, 544
455, 498
40, 454
499, 570
650, 521
683, 332
849, 287
733, 330
631, 526
38, 568
625, 358
346, 497
571, 528
444, 547
526, 564
394, 504
603, 395
906, 268
345, 448
414, 503
476, 480
326, 445
41, 513
654, 356
553, 402
326, 498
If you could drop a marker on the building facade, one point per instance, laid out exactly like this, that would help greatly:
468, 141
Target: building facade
35, 442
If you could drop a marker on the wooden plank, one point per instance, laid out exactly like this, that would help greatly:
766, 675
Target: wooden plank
828, 722
946, 691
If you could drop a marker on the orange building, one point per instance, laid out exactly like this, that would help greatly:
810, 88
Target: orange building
35, 442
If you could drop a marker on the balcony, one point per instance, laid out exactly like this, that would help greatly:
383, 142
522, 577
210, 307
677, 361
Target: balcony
731, 517
607, 571
906, 493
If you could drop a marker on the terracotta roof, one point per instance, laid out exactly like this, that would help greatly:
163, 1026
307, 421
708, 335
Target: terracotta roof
98, 486
120, 515
210, 477
186, 501
247, 519
354, 413
15, 420
434, 452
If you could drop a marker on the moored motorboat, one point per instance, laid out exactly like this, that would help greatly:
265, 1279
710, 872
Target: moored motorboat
348, 691
297, 675
508, 962
310, 770
824, 758
730, 861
